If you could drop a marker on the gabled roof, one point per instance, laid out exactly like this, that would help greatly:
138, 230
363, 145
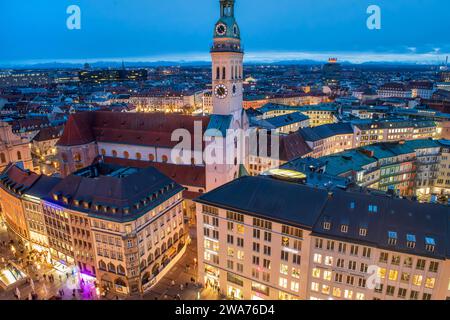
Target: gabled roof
149, 129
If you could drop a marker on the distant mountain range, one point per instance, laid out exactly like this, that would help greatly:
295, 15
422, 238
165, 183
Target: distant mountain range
143, 64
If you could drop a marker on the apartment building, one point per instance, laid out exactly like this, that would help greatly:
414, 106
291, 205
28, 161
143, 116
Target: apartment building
123, 226
266, 238
328, 138
387, 130
443, 179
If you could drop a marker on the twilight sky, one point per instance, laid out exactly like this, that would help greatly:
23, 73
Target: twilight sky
149, 30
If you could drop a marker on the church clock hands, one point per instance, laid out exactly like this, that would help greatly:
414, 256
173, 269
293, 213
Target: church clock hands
221, 91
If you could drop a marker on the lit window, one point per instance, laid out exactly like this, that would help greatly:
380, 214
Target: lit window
284, 269
314, 286
317, 258
283, 282
393, 274
325, 289
429, 283
316, 273
337, 292
417, 280
295, 286
296, 273
327, 275
348, 294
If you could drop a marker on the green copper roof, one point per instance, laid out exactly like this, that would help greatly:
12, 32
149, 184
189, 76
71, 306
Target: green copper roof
232, 28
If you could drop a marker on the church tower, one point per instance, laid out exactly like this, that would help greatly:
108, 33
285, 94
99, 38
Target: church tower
227, 59
227, 73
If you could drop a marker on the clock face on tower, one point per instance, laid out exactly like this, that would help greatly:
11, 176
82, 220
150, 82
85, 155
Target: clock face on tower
221, 91
221, 29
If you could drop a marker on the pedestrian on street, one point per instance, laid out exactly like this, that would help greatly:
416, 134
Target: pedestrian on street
173, 283
181, 287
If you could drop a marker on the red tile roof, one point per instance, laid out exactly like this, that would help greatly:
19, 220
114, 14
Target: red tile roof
150, 129
18, 178
78, 130
293, 146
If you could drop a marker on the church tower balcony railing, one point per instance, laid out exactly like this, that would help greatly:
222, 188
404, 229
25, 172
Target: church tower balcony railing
227, 47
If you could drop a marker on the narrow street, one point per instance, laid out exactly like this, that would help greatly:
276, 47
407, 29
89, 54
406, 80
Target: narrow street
179, 283
47, 281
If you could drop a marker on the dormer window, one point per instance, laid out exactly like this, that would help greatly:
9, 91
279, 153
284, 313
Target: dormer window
344, 228
410, 241
430, 244
326, 225
392, 238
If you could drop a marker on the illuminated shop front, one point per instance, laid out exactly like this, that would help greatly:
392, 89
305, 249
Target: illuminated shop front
212, 275
234, 293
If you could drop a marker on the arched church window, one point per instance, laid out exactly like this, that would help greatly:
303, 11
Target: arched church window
218, 73
126, 155
2, 157
19, 155
224, 73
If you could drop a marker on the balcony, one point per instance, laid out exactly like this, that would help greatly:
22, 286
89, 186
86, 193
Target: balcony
227, 47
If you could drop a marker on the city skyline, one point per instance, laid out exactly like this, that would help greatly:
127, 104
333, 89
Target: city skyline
290, 30
233, 180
